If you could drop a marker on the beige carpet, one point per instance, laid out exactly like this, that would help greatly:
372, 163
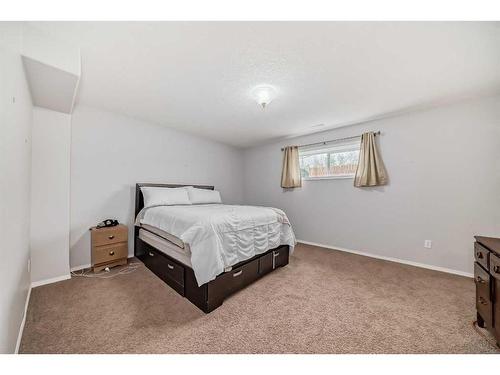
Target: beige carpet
324, 301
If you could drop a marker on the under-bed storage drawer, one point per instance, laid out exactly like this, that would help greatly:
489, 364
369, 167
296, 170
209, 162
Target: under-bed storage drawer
242, 276
272, 260
169, 271
280, 257
265, 264
236, 279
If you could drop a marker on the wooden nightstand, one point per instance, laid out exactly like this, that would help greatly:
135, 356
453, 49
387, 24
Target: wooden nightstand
109, 247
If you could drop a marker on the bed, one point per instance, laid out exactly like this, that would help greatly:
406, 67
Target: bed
207, 252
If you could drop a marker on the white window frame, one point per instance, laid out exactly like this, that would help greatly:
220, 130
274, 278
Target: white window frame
338, 146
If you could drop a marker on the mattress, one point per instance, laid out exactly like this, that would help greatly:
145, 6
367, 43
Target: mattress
170, 237
165, 246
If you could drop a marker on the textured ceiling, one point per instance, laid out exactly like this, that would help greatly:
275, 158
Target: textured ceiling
197, 76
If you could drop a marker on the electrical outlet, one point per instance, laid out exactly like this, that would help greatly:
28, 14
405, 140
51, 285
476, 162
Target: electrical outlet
428, 244
29, 265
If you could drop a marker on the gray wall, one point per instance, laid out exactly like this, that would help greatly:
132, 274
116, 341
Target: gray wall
50, 189
111, 153
444, 172
15, 172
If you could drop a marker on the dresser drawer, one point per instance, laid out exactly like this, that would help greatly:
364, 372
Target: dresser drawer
482, 255
108, 236
495, 266
110, 253
484, 305
485, 308
483, 281
495, 292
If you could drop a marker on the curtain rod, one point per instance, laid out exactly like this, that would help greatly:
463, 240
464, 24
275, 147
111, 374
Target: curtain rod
334, 140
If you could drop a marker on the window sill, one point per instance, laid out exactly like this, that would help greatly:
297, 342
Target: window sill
327, 178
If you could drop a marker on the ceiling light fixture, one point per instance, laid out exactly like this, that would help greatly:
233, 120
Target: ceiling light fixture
264, 94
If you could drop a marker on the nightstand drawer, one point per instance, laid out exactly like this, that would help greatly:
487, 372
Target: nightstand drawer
110, 253
108, 236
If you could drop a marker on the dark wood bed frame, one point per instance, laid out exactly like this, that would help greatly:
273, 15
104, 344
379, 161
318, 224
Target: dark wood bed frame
181, 277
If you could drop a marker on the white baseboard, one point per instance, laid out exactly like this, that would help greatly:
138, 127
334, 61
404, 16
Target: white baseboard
390, 259
21, 327
84, 266
50, 281
34, 285
80, 267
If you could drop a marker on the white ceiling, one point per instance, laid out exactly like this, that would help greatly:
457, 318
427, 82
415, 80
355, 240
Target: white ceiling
197, 76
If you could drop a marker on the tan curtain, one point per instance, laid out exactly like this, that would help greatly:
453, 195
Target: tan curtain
370, 170
290, 174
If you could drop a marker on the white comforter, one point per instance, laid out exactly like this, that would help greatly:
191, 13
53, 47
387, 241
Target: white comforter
220, 235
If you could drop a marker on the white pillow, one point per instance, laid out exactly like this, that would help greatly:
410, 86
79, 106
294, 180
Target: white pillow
158, 196
202, 196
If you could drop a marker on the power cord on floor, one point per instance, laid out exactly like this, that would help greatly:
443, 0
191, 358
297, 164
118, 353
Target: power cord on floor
129, 268
486, 337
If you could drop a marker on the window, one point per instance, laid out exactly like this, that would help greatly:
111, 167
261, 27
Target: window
333, 160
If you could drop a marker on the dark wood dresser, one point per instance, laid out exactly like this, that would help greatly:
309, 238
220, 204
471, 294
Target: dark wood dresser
487, 279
